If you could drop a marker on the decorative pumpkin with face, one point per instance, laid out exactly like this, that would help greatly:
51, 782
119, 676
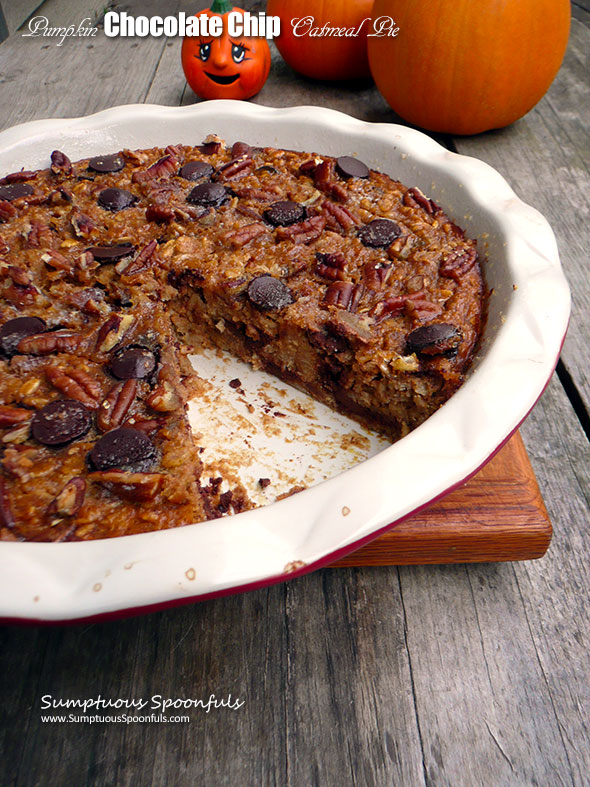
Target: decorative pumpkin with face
224, 67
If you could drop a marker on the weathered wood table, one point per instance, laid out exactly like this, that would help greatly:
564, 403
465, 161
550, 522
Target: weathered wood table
459, 675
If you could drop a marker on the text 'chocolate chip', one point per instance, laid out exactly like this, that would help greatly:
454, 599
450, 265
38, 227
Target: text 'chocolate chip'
60, 422
123, 448
269, 293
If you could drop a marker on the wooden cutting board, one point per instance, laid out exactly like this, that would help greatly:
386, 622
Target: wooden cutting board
498, 514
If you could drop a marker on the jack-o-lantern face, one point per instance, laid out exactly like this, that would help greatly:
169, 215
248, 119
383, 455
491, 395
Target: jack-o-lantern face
224, 67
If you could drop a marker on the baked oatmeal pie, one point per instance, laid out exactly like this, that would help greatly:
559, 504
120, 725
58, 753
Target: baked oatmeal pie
334, 277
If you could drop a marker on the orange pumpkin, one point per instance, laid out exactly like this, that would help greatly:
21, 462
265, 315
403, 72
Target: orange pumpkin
324, 57
463, 67
222, 67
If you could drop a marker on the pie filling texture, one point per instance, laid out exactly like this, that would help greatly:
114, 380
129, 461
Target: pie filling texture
336, 278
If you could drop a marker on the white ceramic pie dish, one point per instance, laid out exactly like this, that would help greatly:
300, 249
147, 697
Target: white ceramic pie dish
527, 321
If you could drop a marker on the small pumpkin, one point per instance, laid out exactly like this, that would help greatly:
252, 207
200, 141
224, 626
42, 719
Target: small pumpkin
222, 67
461, 67
324, 57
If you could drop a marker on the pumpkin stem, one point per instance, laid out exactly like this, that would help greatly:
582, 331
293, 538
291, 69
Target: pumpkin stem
221, 7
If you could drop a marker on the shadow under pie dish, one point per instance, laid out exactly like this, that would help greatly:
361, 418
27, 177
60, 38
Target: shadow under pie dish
292, 261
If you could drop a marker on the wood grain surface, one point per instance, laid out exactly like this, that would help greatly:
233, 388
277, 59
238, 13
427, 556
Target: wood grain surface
462, 675
498, 514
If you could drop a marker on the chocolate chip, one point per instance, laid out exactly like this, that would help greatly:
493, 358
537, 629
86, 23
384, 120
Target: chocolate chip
13, 191
133, 362
267, 168
284, 213
208, 194
379, 233
112, 163
123, 448
438, 338
116, 199
60, 422
111, 253
269, 293
14, 330
350, 167
195, 170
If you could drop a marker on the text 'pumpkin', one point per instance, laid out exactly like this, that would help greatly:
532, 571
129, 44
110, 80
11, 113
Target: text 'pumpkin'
223, 67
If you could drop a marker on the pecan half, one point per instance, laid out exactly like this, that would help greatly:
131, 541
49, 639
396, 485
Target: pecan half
458, 263
85, 264
18, 434
375, 275
330, 266
60, 163
304, 231
175, 150
325, 180
17, 177
343, 294
112, 331
414, 197
211, 144
116, 405
339, 217
11, 416
233, 168
160, 214
162, 168
133, 486
57, 261
390, 307
145, 258
268, 194
75, 384
7, 210
420, 308
39, 235
69, 501
63, 341
243, 235
164, 399
82, 224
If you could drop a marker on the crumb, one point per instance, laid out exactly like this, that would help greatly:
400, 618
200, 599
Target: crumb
235, 383
293, 491
263, 482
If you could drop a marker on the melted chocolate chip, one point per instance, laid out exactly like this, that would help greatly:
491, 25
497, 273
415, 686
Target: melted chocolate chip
208, 194
134, 362
125, 449
284, 213
438, 338
379, 233
111, 253
116, 199
112, 163
269, 293
14, 330
350, 167
195, 170
13, 191
60, 422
